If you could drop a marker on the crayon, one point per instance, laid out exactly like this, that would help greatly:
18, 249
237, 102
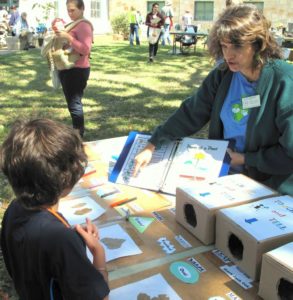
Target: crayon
122, 201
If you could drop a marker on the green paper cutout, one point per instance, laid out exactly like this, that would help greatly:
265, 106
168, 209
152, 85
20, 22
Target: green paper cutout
141, 223
184, 272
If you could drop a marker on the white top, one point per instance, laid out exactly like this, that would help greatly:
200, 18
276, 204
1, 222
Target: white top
264, 219
227, 191
187, 19
284, 255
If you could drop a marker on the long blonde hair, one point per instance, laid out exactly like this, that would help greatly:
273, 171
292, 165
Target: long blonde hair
244, 24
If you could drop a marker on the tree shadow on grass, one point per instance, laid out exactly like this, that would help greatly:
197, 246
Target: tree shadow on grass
124, 91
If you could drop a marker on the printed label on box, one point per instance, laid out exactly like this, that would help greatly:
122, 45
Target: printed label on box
264, 219
227, 190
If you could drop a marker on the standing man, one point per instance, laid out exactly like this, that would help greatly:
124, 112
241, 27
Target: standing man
187, 19
3, 14
13, 18
167, 13
134, 26
24, 32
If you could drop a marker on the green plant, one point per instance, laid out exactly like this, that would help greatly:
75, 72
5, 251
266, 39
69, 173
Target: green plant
46, 10
120, 25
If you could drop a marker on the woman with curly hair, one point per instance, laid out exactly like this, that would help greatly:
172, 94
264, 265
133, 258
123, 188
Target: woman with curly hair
247, 98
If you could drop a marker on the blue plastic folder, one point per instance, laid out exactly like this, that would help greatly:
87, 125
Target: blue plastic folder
177, 163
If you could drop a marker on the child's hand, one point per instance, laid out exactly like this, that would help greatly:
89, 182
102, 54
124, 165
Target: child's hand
90, 234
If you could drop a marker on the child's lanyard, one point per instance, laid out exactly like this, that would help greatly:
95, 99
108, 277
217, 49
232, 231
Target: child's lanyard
50, 210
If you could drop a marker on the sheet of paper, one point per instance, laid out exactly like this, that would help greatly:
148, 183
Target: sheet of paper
117, 242
154, 287
104, 150
151, 176
195, 160
77, 210
77, 191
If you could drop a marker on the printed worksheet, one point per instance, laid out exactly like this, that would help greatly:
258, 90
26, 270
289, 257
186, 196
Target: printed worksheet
77, 210
117, 242
195, 160
151, 176
154, 287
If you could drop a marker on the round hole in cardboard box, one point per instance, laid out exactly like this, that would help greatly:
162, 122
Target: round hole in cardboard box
285, 289
235, 246
190, 215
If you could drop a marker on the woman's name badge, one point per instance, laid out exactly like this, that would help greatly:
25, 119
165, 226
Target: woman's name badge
251, 102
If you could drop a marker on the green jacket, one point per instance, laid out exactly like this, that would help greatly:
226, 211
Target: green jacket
269, 135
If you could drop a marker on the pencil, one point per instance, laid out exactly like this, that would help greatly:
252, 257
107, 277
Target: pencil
122, 201
89, 173
109, 194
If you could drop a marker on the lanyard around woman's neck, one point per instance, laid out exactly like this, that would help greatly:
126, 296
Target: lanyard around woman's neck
54, 213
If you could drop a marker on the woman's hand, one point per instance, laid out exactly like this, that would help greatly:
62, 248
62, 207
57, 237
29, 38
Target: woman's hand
143, 158
65, 35
236, 158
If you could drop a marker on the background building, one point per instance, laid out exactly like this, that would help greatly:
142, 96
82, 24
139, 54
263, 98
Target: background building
280, 12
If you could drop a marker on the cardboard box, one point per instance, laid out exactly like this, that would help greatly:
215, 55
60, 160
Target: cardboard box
276, 280
196, 206
12, 43
244, 233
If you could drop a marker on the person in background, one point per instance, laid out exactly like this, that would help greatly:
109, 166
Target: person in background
3, 14
24, 32
3, 34
14, 16
74, 80
229, 3
167, 13
44, 256
139, 18
155, 23
134, 26
187, 19
246, 99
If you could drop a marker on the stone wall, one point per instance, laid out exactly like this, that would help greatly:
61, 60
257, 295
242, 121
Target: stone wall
278, 11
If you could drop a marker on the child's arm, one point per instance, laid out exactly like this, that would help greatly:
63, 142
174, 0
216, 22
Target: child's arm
91, 237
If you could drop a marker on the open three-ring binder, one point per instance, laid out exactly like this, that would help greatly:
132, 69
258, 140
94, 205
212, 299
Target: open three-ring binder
177, 163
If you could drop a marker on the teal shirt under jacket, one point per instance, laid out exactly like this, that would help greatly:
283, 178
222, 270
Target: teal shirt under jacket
269, 137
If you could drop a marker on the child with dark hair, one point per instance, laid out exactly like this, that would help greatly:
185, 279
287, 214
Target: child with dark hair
47, 259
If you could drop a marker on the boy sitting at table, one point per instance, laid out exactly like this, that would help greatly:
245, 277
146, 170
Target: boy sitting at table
47, 259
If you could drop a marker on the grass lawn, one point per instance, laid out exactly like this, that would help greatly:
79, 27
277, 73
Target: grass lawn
124, 92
